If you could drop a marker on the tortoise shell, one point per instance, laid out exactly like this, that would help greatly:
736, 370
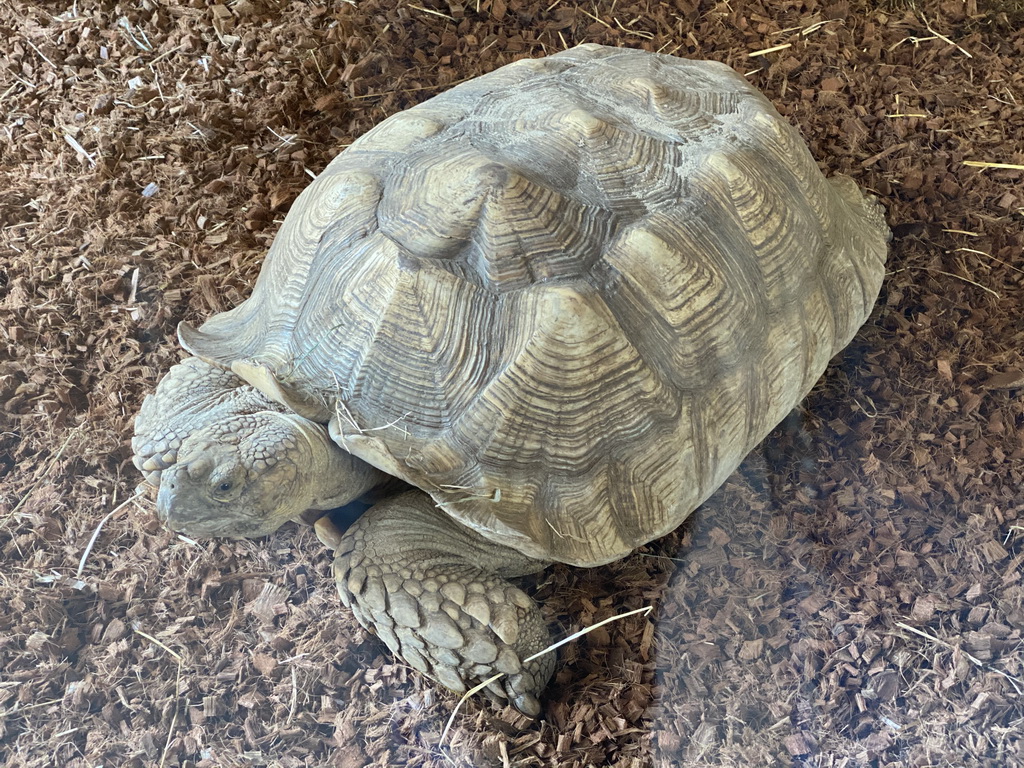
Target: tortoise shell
565, 298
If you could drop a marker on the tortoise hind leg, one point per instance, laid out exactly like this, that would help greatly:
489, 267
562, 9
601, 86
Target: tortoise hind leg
435, 593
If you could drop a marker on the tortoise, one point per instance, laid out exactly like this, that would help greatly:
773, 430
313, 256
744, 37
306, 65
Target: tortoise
561, 302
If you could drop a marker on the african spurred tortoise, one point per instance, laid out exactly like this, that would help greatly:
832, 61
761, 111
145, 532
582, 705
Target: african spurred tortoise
563, 300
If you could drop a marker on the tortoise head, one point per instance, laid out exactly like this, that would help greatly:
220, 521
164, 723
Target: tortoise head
244, 476
228, 461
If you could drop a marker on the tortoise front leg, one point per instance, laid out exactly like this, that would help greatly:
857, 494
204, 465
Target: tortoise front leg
435, 593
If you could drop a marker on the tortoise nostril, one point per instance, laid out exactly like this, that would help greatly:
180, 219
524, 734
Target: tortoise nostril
165, 497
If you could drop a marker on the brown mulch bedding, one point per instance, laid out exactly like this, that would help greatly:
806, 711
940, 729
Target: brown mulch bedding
851, 597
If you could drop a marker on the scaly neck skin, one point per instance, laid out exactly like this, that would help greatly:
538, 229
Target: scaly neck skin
337, 477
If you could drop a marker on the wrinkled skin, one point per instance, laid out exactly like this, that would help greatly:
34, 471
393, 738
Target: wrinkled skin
228, 461
247, 476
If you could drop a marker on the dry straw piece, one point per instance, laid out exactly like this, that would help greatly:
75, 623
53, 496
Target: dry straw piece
1001, 166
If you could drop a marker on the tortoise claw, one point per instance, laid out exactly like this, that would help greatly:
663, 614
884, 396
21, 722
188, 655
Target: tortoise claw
327, 532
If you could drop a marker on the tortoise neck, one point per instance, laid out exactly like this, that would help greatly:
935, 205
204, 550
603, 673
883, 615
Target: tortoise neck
336, 475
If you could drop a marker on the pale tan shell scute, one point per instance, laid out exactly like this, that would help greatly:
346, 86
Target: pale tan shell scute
574, 416
331, 218
565, 298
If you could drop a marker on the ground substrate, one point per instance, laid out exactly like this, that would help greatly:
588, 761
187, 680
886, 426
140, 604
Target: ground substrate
851, 597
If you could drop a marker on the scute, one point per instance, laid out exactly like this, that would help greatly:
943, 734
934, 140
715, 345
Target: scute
565, 298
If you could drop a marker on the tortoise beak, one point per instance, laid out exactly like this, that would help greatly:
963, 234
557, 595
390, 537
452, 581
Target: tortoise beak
166, 499
173, 507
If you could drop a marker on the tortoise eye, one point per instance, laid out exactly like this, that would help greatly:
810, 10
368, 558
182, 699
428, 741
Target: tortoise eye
224, 487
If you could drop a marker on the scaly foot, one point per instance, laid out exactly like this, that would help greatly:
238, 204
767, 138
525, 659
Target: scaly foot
435, 593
